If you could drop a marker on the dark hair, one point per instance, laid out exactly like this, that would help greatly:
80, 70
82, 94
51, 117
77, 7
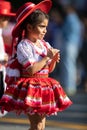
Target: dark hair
4, 18
34, 19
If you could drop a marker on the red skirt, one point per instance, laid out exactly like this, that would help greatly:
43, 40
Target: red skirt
35, 95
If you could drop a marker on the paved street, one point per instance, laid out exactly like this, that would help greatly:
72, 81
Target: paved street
49, 126
19, 127
7, 123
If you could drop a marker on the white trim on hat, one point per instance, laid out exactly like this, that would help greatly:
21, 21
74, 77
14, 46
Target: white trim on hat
32, 5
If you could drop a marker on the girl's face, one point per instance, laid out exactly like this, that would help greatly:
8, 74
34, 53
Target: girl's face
39, 31
4, 21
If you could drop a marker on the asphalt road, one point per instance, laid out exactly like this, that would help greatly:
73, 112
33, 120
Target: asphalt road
20, 127
6, 126
7, 123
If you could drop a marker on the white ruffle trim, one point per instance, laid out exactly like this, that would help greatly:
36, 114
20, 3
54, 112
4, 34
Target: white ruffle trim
12, 72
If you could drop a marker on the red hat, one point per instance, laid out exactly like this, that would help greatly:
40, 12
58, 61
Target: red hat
5, 8
25, 10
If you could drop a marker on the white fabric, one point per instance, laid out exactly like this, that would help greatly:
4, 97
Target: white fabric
2, 49
13, 72
28, 52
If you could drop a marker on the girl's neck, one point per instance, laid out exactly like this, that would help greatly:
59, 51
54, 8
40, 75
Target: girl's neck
36, 42
31, 39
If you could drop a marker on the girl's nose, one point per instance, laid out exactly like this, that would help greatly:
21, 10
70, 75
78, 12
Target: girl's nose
45, 30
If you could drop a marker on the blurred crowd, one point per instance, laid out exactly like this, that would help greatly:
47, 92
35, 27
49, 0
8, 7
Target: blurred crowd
67, 31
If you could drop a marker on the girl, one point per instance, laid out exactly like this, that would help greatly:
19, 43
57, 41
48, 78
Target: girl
29, 89
5, 15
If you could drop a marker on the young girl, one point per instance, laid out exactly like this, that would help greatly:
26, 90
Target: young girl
5, 15
29, 89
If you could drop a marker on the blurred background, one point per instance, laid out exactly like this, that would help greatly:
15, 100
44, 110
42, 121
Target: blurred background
67, 31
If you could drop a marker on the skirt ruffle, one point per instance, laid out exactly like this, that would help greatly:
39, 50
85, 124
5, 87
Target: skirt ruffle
35, 95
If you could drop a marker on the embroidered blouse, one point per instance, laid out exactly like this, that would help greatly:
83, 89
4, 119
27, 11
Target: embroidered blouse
28, 53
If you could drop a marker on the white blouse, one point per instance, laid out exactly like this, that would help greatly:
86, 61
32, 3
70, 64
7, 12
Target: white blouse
28, 53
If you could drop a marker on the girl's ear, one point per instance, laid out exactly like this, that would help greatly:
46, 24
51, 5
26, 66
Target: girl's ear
29, 27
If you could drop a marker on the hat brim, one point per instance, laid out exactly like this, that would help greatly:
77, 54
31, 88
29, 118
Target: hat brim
44, 6
9, 14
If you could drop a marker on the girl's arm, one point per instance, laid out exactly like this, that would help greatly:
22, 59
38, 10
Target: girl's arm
25, 57
38, 66
56, 58
42, 63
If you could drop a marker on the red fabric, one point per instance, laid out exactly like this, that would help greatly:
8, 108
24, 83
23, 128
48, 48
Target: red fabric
41, 95
26, 10
32, 94
8, 49
5, 8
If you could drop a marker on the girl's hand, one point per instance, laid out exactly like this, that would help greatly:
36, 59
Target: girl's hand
56, 54
4, 62
58, 58
6, 58
49, 53
54, 51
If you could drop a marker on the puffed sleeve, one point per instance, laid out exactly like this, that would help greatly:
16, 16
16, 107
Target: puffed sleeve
25, 54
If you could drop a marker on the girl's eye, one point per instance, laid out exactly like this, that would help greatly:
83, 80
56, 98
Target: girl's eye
42, 26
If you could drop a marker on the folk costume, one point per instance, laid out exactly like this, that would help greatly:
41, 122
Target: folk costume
36, 93
5, 11
5, 8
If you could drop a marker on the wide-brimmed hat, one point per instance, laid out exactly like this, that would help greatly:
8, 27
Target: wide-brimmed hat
25, 10
5, 8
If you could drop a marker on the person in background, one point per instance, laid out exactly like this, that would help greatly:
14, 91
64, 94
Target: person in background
29, 89
54, 34
5, 14
7, 37
72, 43
82, 56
